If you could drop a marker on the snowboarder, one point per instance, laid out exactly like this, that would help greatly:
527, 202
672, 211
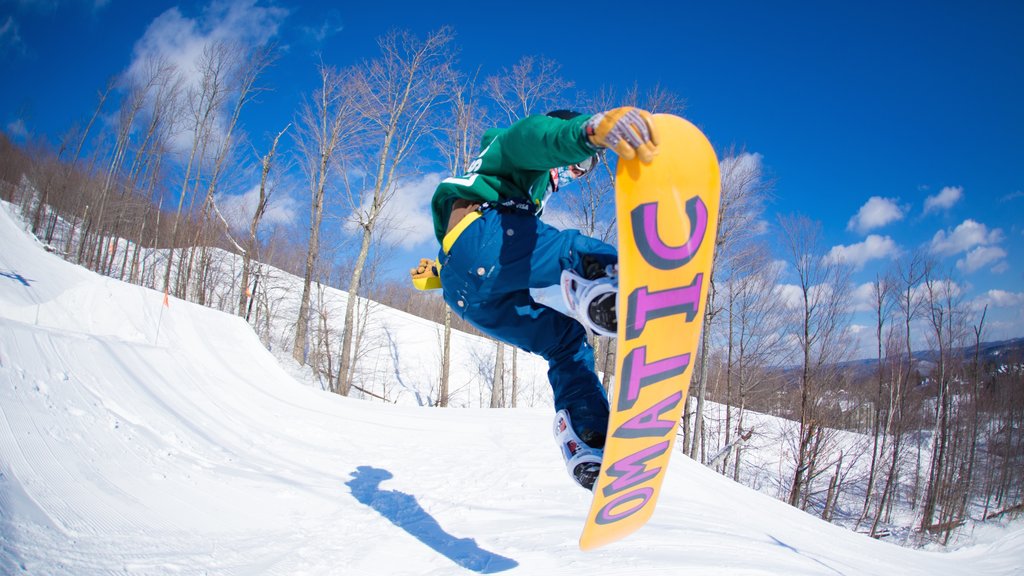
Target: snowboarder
494, 248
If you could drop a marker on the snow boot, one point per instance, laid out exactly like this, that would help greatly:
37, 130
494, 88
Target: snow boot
582, 461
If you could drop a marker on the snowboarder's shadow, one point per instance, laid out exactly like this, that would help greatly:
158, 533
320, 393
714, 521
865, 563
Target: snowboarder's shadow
17, 278
404, 511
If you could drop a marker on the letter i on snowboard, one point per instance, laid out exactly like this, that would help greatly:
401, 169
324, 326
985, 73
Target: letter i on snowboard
667, 214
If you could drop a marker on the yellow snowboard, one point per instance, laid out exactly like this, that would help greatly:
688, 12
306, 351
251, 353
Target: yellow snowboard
667, 216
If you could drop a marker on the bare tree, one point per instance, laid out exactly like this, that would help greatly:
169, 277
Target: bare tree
397, 96
909, 272
530, 85
325, 126
457, 142
138, 92
251, 251
245, 71
744, 191
755, 325
947, 332
818, 330
882, 304
203, 104
498, 381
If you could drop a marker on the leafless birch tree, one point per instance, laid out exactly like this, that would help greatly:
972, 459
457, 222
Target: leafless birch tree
251, 251
325, 126
819, 330
457, 141
744, 191
397, 98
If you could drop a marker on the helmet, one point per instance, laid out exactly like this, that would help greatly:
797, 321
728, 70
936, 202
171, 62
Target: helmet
563, 114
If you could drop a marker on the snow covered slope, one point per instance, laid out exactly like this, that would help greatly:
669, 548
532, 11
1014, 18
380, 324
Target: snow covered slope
195, 453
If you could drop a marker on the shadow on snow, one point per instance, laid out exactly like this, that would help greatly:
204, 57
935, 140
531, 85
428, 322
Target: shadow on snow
404, 511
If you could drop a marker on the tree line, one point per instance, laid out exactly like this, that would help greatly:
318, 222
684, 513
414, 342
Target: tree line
140, 197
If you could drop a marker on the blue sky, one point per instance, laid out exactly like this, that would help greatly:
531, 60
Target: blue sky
897, 125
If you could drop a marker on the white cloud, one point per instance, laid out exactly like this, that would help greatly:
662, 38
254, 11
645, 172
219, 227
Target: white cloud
874, 247
760, 227
875, 213
1000, 299
979, 257
944, 200
17, 129
857, 329
406, 218
964, 237
179, 40
238, 209
790, 294
863, 297
742, 172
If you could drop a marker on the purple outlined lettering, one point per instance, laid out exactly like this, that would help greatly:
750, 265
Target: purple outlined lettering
632, 470
647, 239
606, 516
645, 305
647, 424
637, 373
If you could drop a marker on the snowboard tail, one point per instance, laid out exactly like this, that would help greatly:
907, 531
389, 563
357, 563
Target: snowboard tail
668, 216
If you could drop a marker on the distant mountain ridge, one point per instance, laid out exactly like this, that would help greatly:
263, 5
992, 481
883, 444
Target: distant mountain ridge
988, 352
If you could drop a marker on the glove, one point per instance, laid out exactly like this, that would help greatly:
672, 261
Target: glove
425, 275
627, 130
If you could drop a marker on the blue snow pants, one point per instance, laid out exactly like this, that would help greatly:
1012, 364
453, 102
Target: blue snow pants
486, 279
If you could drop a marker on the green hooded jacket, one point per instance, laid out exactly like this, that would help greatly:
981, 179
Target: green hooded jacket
514, 163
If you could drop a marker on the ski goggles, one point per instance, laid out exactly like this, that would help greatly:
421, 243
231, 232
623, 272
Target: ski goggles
581, 168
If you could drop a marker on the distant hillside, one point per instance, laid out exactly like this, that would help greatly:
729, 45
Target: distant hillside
989, 353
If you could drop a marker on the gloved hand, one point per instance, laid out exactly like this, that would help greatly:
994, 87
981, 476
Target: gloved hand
425, 269
627, 130
425, 275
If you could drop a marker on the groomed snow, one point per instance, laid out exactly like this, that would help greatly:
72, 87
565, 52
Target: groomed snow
196, 453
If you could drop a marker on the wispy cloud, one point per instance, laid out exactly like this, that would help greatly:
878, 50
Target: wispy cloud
238, 209
406, 217
1017, 195
874, 247
863, 297
17, 129
790, 295
944, 200
10, 37
875, 213
1000, 299
180, 40
330, 26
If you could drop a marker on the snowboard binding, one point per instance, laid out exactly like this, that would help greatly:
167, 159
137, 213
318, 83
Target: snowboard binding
582, 461
592, 302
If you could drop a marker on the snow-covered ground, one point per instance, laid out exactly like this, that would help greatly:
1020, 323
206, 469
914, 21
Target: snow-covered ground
197, 453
